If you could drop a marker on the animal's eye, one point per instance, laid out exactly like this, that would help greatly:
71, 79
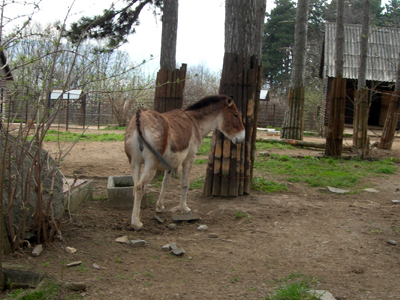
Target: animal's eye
235, 115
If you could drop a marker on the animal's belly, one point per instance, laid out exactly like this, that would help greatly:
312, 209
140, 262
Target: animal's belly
175, 159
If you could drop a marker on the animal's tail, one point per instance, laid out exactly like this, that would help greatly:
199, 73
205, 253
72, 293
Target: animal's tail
143, 140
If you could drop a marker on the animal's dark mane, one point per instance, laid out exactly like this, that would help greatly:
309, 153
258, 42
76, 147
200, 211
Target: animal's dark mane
206, 102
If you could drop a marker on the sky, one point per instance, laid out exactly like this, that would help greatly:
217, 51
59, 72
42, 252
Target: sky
200, 38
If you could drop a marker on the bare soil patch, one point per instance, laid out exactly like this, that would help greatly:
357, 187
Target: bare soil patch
341, 240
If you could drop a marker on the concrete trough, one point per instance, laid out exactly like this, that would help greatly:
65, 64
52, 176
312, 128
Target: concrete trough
120, 191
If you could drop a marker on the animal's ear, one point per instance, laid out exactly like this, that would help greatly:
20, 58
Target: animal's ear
229, 100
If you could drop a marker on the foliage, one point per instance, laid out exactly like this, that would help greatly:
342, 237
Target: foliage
200, 82
115, 24
40, 61
278, 41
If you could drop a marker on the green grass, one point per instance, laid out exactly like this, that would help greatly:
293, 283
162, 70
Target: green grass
267, 186
50, 290
321, 172
198, 162
294, 287
240, 214
66, 136
205, 146
114, 127
197, 184
273, 145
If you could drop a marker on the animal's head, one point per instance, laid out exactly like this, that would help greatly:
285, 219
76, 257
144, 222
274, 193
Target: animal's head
231, 124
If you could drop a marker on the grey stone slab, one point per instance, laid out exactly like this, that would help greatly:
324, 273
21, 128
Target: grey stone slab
185, 217
138, 243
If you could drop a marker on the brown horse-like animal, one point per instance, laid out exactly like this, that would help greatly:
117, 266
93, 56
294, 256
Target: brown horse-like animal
165, 141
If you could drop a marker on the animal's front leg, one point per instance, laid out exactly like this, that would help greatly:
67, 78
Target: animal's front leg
184, 183
160, 202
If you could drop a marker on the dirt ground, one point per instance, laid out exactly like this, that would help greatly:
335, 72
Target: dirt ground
341, 240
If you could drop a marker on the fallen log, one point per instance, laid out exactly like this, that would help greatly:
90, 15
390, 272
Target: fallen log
298, 143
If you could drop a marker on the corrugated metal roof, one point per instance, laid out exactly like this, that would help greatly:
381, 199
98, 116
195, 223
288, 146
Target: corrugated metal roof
383, 52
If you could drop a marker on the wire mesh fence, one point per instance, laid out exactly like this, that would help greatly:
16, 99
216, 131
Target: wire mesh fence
96, 109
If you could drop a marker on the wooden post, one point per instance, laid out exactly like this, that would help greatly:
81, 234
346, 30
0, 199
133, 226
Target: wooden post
170, 85
334, 138
392, 117
229, 170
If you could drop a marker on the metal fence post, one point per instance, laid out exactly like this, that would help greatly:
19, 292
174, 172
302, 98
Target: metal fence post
84, 112
67, 117
98, 114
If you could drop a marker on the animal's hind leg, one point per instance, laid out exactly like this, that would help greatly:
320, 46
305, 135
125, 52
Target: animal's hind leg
139, 188
160, 202
186, 166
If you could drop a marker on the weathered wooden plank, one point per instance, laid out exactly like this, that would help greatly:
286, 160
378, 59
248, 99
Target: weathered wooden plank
216, 188
226, 159
207, 190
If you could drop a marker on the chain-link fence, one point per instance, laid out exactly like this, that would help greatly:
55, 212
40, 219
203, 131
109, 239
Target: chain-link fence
272, 115
97, 109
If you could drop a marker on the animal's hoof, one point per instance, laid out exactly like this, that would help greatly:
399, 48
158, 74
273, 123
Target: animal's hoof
137, 226
160, 210
185, 210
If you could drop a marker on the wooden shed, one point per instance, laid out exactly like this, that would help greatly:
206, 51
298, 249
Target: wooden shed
382, 61
5, 75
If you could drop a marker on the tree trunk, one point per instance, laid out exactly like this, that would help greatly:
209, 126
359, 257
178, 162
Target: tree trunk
170, 82
334, 138
293, 125
229, 169
169, 34
361, 106
392, 117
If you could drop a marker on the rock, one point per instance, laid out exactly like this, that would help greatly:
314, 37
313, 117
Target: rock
138, 243
123, 239
19, 208
172, 226
371, 190
37, 250
394, 243
173, 246
336, 190
178, 251
96, 266
324, 295
159, 220
213, 235
166, 247
185, 217
20, 276
395, 201
75, 263
75, 286
70, 250
202, 227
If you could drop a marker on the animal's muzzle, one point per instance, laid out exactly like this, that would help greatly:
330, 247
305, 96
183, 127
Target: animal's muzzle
239, 138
